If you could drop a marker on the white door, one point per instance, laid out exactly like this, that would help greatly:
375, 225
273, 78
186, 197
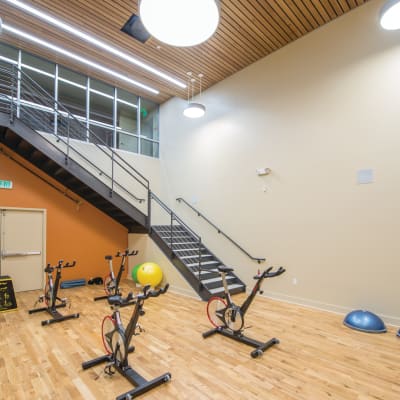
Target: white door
23, 247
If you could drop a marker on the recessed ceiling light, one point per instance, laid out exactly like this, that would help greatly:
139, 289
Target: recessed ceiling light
92, 40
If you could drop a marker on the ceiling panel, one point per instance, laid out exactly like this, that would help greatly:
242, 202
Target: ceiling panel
248, 31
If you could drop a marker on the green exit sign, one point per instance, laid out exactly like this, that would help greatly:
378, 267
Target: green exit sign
6, 184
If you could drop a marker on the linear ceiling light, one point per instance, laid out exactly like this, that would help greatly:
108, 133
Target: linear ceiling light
76, 57
92, 40
390, 15
180, 23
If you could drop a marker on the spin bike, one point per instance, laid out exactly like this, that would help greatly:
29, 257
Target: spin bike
228, 318
111, 283
50, 297
116, 341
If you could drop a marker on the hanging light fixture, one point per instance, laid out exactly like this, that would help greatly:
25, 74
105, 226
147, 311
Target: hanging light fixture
180, 23
390, 15
194, 109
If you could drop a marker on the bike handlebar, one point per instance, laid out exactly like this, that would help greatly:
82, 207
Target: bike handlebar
152, 293
68, 265
126, 253
268, 274
49, 269
119, 300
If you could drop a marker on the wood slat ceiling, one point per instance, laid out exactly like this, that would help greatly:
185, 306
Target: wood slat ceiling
248, 31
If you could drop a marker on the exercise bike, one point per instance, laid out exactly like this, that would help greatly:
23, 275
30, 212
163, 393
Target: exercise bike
111, 283
50, 297
116, 341
228, 318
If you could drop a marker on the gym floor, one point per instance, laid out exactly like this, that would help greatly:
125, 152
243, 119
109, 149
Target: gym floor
318, 358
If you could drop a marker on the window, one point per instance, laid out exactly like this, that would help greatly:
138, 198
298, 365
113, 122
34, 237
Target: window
72, 92
111, 114
127, 121
37, 92
149, 136
101, 108
8, 54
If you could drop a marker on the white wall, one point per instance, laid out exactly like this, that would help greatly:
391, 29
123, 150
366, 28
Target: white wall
315, 112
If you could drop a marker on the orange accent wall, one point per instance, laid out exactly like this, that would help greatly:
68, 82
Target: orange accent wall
83, 233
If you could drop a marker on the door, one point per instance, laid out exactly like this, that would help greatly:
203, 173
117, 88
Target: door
23, 247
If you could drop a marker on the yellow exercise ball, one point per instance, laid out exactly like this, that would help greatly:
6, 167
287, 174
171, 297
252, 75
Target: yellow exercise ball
149, 274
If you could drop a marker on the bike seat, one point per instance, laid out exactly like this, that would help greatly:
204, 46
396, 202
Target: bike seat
224, 268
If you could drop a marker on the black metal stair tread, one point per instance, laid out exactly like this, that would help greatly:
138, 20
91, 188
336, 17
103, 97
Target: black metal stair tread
216, 279
213, 262
196, 249
196, 256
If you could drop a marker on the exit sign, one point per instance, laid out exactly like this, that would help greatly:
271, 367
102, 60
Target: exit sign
6, 184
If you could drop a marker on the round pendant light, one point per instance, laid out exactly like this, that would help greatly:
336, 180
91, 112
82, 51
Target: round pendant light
180, 23
390, 15
194, 110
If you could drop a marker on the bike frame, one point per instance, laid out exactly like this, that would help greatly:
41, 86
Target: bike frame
124, 256
257, 288
232, 310
52, 306
116, 280
113, 362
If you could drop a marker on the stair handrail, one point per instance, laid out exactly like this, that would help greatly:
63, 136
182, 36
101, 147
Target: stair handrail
131, 171
258, 259
169, 211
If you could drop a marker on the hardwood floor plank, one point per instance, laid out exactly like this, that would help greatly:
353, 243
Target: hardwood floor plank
318, 358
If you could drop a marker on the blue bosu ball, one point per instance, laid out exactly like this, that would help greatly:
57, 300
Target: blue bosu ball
364, 321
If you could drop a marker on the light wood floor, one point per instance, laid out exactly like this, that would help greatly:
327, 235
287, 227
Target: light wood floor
318, 358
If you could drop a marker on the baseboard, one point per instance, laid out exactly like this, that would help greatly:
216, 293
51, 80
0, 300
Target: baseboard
184, 292
389, 319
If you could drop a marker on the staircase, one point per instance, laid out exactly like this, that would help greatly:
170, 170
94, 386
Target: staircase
32, 147
42, 131
195, 262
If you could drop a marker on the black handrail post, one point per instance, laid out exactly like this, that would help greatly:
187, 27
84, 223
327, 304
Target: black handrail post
68, 139
112, 174
19, 78
13, 73
149, 197
172, 221
199, 262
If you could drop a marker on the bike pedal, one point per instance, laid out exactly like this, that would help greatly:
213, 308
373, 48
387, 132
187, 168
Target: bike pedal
109, 369
141, 329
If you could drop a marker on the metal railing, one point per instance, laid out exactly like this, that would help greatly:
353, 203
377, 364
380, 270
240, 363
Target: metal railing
258, 259
174, 220
22, 97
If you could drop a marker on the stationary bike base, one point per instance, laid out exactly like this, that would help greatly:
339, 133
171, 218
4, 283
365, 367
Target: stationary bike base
141, 384
57, 317
260, 347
